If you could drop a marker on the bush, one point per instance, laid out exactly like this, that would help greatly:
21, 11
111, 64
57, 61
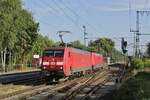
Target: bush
147, 63
137, 63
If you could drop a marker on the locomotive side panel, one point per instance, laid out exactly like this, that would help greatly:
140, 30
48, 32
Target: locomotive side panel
69, 61
80, 60
98, 60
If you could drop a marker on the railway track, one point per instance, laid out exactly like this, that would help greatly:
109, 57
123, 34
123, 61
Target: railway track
92, 89
25, 94
82, 88
28, 79
41, 89
71, 90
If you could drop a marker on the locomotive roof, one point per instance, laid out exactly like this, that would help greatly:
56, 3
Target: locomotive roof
79, 50
54, 48
62, 48
73, 49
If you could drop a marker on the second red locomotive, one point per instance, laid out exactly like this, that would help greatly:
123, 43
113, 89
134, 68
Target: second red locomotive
66, 61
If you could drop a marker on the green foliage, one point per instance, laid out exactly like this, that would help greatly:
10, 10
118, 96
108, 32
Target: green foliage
103, 46
77, 44
17, 26
18, 29
41, 43
106, 47
19, 35
135, 88
147, 63
137, 63
148, 50
8, 15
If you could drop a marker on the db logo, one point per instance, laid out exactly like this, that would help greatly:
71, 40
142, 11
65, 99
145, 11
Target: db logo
52, 63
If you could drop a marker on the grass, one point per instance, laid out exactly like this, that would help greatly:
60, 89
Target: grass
135, 88
6, 89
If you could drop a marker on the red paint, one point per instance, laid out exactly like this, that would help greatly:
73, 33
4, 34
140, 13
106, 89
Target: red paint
73, 59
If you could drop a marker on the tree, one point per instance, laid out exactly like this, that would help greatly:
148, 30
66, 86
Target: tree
8, 10
106, 47
77, 44
18, 29
8, 32
103, 46
41, 43
148, 49
27, 33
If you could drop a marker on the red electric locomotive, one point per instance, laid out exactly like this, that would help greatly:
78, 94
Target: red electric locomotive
66, 61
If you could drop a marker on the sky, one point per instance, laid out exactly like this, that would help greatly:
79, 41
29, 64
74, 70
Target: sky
102, 18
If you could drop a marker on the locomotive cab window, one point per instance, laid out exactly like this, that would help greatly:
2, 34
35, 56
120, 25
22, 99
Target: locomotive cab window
49, 53
59, 53
52, 53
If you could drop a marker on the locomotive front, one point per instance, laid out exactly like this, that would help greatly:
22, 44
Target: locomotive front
52, 62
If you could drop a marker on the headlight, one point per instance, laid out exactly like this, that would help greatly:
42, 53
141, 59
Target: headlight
44, 67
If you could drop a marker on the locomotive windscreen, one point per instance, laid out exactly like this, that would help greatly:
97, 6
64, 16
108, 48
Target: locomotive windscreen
58, 53
54, 53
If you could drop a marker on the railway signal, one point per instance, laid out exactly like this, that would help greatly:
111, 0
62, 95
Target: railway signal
85, 35
124, 46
